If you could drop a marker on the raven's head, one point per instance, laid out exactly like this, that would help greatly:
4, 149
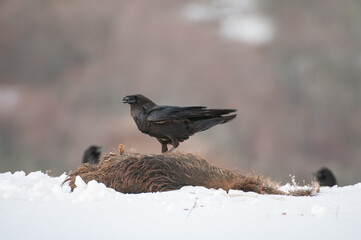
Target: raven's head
133, 99
322, 174
325, 177
138, 100
95, 150
92, 154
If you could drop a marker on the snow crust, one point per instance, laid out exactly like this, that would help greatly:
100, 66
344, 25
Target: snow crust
37, 206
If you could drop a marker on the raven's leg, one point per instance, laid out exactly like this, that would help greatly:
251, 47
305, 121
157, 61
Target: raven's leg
175, 144
164, 147
164, 144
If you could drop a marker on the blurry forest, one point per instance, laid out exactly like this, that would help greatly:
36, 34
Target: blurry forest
66, 65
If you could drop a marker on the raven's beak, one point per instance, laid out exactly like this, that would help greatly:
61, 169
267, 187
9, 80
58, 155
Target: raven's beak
128, 99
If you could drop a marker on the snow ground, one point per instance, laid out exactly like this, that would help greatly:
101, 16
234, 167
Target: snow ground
36, 206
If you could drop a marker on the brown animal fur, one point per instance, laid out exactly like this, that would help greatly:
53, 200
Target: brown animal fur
136, 173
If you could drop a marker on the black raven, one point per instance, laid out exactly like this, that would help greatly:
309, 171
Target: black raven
92, 155
325, 177
171, 124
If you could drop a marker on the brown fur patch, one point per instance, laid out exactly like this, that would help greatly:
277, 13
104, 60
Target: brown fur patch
137, 173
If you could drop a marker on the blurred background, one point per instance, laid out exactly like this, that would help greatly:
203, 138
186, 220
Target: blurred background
291, 68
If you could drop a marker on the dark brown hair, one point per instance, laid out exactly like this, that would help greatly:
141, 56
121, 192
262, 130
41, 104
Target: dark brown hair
137, 173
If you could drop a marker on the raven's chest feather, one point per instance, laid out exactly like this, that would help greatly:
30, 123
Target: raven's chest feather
143, 125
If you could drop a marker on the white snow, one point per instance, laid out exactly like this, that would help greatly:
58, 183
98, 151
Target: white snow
37, 206
240, 20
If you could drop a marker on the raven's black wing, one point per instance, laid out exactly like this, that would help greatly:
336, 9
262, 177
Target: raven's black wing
163, 113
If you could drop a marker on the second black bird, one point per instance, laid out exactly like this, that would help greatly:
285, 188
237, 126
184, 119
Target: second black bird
171, 124
325, 177
92, 155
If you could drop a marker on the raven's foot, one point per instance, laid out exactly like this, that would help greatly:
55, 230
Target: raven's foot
175, 144
172, 149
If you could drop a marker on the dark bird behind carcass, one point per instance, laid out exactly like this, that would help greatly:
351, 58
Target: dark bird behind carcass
325, 177
92, 155
172, 124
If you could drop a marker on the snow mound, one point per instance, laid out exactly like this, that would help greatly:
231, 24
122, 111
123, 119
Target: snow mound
43, 208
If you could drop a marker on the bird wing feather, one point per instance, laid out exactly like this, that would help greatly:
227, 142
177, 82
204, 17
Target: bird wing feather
163, 113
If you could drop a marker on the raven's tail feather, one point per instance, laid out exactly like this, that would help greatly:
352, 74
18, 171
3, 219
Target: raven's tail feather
204, 124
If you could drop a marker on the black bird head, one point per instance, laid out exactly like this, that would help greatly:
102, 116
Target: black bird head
132, 99
138, 99
325, 177
92, 154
